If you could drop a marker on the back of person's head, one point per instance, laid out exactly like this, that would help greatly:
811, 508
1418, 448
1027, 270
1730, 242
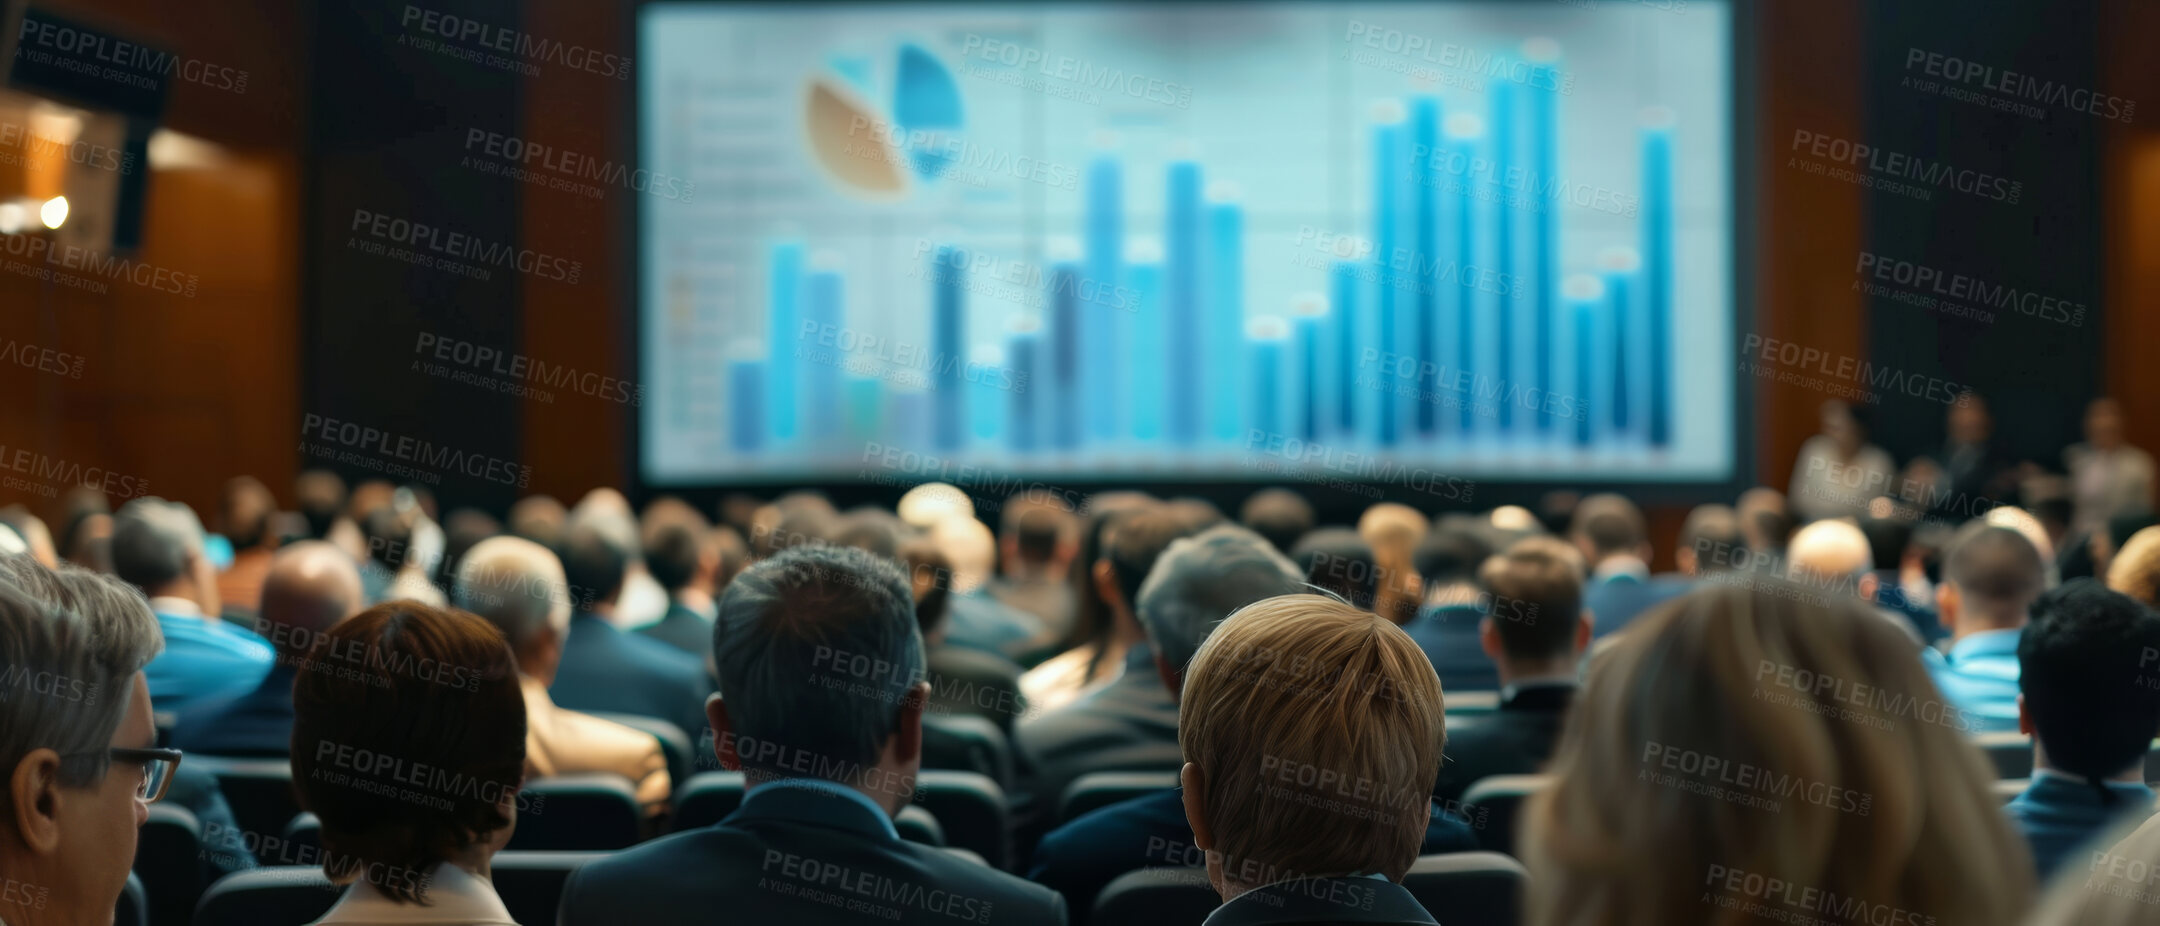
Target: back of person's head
1743, 704
73, 644
35, 537
1451, 555
1139, 539
2135, 568
970, 547
1831, 554
819, 656
1278, 514
786, 529
929, 583
540, 519
1537, 592
1287, 698
389, 535
320, 495
155, 543
1092, 617
245, 508
1338, 561
1199, 580
873, 530
1556, 510
432, 704
929, 503
311, 586
2090, 688
1197, 513
734, 555
1035, 528
1765, 519
674, 552
1995, 574
1710, 541
86, 541
1888, 532
518, 586
1391, 526
462, 529
1608, 525
596, 563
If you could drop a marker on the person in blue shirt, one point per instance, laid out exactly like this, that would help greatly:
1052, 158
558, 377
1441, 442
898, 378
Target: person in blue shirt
1990, 577
157, 546
2090, 698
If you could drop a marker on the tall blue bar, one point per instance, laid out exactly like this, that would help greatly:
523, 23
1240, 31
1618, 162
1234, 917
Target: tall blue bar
1545, 147
1020, 417
1307, 335
947, 362
1503, 139
988, 381
1425, 140
1343, 305
1583, 293
746, 399
865, 404
1149, 364
1621, 294
1224, 381
1265, 361
784, 269
1103, 315
1387, 229
824, 303
1063, 392
1657, 234
1464, 294
1182, 302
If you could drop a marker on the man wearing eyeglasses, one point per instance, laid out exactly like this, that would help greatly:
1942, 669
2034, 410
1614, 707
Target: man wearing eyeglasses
76, 743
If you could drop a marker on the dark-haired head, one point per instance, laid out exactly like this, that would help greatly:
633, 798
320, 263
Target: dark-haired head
409, 693
1339, 561
2089, 674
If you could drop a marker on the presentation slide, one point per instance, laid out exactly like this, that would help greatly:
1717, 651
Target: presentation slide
1169, 242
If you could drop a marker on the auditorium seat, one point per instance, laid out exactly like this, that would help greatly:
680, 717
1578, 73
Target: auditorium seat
259, 790
918, 825
1469, 888
2010, 753
1479, 701
278, 894
169, 865
675, 744
304, 834
1493, 804
968, 743
1156, 897
531, 883
578, 812
710, 796
133, 908
1101, 789
972, 809
2152, 762
2009, 788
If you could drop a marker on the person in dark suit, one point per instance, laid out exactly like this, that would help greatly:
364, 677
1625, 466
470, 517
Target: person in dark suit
1196, 584
693, 563
310, 586
1310, 729
1535, 630
2088, 699
607, 670
1610, 532
820, 707
1036, 545
1446, 628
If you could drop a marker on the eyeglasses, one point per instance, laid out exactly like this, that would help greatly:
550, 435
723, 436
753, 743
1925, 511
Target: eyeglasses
158, 766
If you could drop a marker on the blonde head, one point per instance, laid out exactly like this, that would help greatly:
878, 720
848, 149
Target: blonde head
2135, 570
1313, 731
1751, 736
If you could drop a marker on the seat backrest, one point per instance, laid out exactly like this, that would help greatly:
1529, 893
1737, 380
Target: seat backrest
1101, 789
967, 743
972, 809
531, 883
169, 865
707, 798
1472, 701
2007, 789
133, 907
2010, 753
674, 743
1156, 897
1469, 888
278, 894
1495, 804
259, 790
915, 824
577, 812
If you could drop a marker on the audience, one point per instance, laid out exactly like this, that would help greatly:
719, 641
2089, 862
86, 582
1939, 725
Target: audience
1615, 542
157, 546
1094, 650
309, 587
1711, 541
519, 587
1990, 579
829, 747
1280, 515
1290, 697
1393, 531
602, 667
76, 741
975, 618
364, 740
1338, 561
2108, 477
1446, 628
1535, 631
2089, 695
245, 512
1036, 545
1707, 775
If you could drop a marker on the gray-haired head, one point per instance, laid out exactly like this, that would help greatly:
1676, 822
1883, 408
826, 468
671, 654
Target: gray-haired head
154, 542
518, 586
72, 641
1202, 579
817, 650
